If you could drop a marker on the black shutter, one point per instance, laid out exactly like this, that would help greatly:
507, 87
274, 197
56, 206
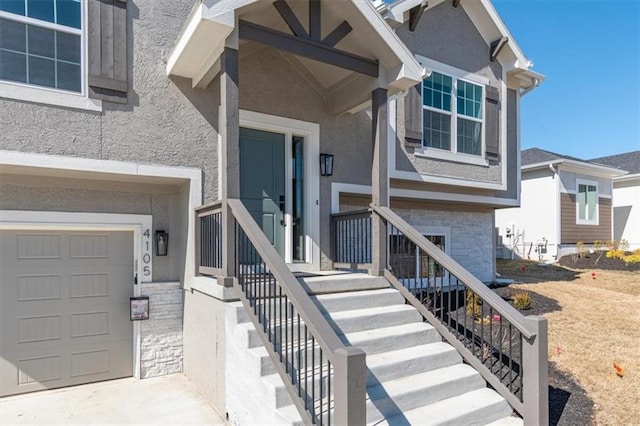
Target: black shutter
492, 123
413, 116
107, 46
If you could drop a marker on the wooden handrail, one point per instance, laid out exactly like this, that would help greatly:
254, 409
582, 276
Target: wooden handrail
474, 284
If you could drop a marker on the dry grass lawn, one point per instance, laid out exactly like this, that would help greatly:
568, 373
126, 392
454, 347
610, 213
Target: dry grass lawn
598, 323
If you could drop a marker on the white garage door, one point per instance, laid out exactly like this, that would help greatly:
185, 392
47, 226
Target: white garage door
64, 298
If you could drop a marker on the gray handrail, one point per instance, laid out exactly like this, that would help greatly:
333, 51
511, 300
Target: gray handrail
495, 301
316, 322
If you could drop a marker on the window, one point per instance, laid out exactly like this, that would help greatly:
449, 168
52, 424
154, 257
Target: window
586, 202
41, 43
413, 267
448, 117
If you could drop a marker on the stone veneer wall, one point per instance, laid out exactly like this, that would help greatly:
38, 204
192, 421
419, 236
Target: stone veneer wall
161, 334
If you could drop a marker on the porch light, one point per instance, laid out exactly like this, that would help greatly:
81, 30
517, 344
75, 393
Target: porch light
326, 164
162, 243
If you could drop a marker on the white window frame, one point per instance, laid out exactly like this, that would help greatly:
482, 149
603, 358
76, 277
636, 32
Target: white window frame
50, 95
453, 154
593, 221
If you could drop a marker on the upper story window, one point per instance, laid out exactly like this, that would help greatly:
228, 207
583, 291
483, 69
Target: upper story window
41, 43
586, 202
452, 116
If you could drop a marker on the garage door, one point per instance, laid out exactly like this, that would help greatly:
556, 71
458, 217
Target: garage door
64, 298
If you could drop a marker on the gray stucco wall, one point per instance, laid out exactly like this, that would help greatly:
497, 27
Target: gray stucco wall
37, 193
447, 34
165, 121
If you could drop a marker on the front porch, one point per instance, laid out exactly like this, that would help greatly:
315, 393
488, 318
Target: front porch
325, 85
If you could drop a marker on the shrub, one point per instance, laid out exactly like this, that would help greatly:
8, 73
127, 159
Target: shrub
623, 245
473, 305
581, 249
522, 301
615, 254
633, 257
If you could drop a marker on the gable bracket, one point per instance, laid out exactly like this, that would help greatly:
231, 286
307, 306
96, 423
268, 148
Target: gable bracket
290, 18
456, 3
496, 47
338, 34
308, 48
415, 14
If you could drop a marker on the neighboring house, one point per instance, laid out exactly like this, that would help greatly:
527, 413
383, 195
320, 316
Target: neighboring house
121, 118
564, 201
626, 197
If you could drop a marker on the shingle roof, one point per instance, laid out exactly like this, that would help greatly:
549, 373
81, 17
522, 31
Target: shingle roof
629, 161
537, 155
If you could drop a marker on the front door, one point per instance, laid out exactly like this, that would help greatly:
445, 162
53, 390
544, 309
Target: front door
262, 182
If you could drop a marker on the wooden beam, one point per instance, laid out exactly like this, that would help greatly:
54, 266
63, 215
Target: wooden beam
456, 3
496, 47
308, 49
315, 20
290, 18
338, 34
415, 14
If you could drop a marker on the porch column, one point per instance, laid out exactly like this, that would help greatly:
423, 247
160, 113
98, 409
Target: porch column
379, 180
229, 161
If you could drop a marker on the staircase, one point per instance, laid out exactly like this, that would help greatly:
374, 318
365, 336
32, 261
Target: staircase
413, 377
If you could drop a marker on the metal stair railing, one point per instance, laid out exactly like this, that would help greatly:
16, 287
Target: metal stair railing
325, 378
508, 349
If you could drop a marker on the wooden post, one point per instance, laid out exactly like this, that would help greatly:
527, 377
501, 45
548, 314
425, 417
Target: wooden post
230, 152
379, 180
350, 369
535, 380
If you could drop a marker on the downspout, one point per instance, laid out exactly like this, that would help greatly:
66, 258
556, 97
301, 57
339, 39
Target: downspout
535, 84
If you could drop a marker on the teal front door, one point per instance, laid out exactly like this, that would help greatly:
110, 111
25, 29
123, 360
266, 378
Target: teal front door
262, 182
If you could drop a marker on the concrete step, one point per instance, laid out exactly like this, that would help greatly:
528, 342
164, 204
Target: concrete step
338, 282
393, 397
508, 421
290, 416
386, 339
338, 302
479, 407
366, 319
406, 362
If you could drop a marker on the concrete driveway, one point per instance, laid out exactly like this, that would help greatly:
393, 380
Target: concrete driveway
163, 400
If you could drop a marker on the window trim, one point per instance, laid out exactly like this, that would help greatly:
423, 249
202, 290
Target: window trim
596, 220
51, 95
456, 74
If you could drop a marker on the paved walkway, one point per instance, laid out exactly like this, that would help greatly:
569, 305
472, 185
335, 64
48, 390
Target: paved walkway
163, 400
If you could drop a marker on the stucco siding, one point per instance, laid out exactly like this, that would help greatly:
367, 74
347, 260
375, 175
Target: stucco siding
568, 181
626, 210
38, 193
164, 122
447, 35
536, 218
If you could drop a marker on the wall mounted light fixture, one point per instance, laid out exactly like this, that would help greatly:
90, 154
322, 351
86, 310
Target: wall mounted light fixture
326, 164
162, 243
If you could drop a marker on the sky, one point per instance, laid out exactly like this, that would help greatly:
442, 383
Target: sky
589, 50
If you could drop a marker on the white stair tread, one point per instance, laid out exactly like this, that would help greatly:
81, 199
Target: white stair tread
370, 312
427, 380
357, 337
508, 421
478, 407
413, 352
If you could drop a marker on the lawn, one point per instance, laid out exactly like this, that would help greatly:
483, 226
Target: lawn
594, 321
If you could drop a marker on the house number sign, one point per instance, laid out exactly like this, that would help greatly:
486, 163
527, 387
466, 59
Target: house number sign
146, 255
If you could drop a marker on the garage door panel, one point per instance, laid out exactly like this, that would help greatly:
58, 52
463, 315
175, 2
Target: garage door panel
64, 298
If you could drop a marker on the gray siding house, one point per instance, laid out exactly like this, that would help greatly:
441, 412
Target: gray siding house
246, 165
